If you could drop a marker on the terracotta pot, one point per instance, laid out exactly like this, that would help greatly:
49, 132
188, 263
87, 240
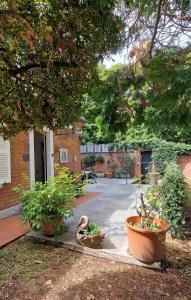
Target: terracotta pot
91, 242
146, 245
48, 227
109, 175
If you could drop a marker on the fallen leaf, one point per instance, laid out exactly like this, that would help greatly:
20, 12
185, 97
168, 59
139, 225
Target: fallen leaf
48, 282
38, 261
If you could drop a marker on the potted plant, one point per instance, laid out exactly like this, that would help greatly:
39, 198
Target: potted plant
48, 204
89, 234
127, 165
146, 234
111, 166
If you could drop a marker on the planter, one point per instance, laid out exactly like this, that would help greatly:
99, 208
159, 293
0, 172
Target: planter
109, 175
100, 174
146, 245
48, 227
91, 242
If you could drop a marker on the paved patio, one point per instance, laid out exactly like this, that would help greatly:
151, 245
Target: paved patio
12, 228
109, 209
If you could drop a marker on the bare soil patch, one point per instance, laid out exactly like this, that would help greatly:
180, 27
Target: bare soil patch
30, 271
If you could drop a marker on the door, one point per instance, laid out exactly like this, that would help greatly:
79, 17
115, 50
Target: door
146, 162
40, 156
41, 152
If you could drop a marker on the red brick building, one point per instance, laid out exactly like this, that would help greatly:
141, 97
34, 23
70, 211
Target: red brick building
35, 154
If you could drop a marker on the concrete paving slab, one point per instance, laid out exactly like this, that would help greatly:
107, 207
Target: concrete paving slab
109, 210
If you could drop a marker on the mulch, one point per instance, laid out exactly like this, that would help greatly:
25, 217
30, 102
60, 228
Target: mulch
32, 271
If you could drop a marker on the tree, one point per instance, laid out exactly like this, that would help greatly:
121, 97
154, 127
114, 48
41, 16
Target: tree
106, 107
153, 25
152, 100
48, 55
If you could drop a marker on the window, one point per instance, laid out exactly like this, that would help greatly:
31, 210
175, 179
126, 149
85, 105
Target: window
63, 155
5, 161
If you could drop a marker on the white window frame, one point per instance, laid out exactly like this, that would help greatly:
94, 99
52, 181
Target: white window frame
8, 152
65, 152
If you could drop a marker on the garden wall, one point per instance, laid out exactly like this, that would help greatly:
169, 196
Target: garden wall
184, 162
102, 167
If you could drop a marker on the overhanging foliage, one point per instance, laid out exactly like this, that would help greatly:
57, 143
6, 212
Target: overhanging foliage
48, 55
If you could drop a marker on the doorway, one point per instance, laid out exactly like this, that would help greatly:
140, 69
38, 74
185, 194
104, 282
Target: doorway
41, 153
146, 162
40, 156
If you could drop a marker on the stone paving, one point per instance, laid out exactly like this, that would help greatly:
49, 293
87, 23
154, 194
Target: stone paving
109, 210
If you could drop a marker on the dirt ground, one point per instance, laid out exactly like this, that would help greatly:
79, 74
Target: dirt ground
31, 271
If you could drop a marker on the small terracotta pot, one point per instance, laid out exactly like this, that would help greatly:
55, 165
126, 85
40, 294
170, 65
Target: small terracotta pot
146, 245
109, 175
91, 242
48, 227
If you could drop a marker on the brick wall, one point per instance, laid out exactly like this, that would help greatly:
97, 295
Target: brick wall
102, 167
64, 138
184, 162
19, 165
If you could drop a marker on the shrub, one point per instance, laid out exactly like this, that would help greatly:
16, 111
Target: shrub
111, 165
46, 202
172, 192
90, 160
127, 163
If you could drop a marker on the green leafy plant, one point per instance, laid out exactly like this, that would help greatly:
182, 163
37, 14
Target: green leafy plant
153, 199
172, 193
90, 160
146, 212
163, 155
93, 230
111, 165
48, 201
127, 163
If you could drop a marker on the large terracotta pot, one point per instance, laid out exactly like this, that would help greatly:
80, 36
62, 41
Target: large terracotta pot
146, 245
48, 227
109, 175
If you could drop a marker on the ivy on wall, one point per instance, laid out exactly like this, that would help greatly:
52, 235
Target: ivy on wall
163, 153
163, 156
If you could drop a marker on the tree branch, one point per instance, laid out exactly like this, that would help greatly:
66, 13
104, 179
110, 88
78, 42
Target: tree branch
177, 17
43, 65
156, 26
4, 97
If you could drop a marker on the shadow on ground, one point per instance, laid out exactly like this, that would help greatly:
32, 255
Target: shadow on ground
127, 284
